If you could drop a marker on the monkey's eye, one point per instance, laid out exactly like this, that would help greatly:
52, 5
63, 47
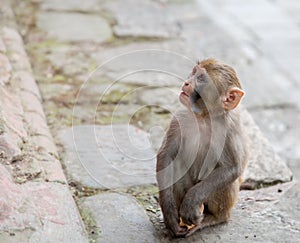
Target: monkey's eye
200, 77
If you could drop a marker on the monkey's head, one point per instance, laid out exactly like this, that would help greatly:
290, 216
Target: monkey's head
212, 87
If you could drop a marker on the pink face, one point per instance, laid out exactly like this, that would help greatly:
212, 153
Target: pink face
206, 90
189, 85
186, 91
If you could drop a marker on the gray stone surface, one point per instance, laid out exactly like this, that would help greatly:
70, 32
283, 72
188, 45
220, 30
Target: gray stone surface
41, 212
264, 164
74, 27
13, 131
71, 5
266, 215
35, 202
265, 84
271, 72
281, 127
15, 49
283, 32
69, 59
151, 64
165, 97
155, 21
118, 218
108, 156
2, 46
292, 8
5, 69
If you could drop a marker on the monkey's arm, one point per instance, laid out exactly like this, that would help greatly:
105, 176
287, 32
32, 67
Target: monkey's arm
164, 175
219, 177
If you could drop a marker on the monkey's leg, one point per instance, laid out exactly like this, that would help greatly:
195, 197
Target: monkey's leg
219, 206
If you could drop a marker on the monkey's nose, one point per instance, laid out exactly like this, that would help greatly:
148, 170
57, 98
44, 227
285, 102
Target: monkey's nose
186, 83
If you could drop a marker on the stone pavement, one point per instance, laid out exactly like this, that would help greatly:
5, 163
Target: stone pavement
146, 48
35, 202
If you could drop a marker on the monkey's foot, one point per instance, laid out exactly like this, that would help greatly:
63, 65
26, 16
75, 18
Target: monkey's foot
194, 229
181, 231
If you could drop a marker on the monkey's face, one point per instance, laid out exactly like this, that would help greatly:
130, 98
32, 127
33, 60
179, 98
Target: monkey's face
198, 90
186, 91
211, 88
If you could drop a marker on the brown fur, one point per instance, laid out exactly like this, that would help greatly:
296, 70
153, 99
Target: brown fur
185, 177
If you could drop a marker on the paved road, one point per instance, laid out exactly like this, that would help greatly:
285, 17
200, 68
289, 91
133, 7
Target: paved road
67, 40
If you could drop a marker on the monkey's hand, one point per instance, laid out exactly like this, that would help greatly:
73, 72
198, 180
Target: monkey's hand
190, 213
172, 224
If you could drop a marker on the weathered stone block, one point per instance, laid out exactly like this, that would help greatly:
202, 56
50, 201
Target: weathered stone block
108, 156
118, 218
74, 27
26, 82
44, 211
264, 166
150, 64
31, 103
45, 143
157, 20
71, 5
10, 36
9, 149
12, 126
5, 69
36, 124
2, 46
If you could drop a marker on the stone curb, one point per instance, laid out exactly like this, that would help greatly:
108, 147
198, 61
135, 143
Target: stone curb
35, 199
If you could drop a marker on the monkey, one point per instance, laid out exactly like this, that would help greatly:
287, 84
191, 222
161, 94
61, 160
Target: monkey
204, 152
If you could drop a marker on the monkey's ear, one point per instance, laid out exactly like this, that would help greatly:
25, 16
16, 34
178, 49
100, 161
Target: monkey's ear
232, 98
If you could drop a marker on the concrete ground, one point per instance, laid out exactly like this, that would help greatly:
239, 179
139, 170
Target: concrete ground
67, 175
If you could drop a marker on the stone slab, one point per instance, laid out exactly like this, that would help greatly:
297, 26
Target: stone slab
5, 69
281, 126
71, 5
44, 212
118, 218
165, 97
292, 8
156, 20
12, 110
108, 156
9, 149
2, 46
145, 63
263, 89
26, 82
264, 165
13, 132
74, 27
70, 60
15, 49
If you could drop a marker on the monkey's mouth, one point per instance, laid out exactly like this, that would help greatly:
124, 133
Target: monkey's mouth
184, 94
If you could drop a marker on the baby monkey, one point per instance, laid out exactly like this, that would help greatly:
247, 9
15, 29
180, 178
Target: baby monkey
204, 152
